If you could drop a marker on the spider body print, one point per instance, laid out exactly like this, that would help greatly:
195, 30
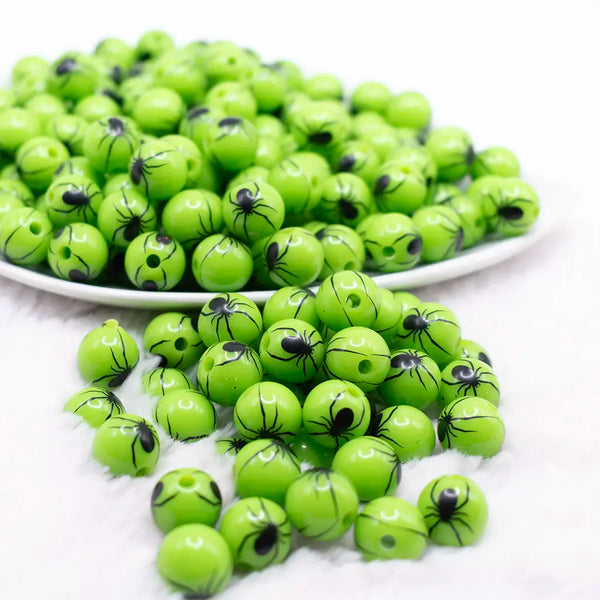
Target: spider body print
346, 199
469, 377
291, 302
230, 446
72, 198
94, 405
141, 168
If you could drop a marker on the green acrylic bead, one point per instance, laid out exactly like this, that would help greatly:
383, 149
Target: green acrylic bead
416, 157
127, 445
231, 142
268, 152
470, 215
25, 235
407, 137
495, 161
186, 415
260, 275
8, 202
194, 160
230, 446
452, 150
390, 528
291, 73
321, 504
73, 76
455, 510
399, 187
359, 355
195, 560
269, 126
27, 66
371, 465
133, 88
382, 138
309, 451
226, 369
408, 109
388, 315
268, 87
471, 425
70, 130
196, 122
258, 533
158, 170
348, 298
154, 262
343, 250
468, 377
222, 263
265, 468
234, 98
153, 44
408, 431
406, 300
335, 412
46, 107
442, 192
441, 232
254, 174
291, 303
179, 72
359, 158
471, 349
117, 51
320, 126
291, 351
37, 159
163, 380
116, 183
110, 142
365, 122
29, 87
371, 95
185, 496
224, 61
94, 108
79, 165
158, 111
17, 189
324, 87
345, 198
94, 405
267, 410
173, 337
73, 199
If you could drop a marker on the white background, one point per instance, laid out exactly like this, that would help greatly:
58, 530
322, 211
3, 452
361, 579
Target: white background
521, 74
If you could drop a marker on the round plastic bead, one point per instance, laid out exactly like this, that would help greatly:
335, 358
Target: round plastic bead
408, 431
268, 153
324, 87
94, 108
408, 109
495, 161
127, 445
158, 170
79, 165
399, 187
197, 120
452, 150
174, 339
73, 76
370, 96
195, 560
17, 125
153, 44
471, 425
293, 256
470, 215
234, 98
254, 174
179, 72
471, 349
70, 130
268, 87
116, 51
196, 163
107, 355
311, 452
343, 249
406, 300
345, 198
291, 73
269, 126
382, 138
158, 111
441, 232
224, 61
37, 160
222, 263
388, 315
163, 380
154, 261
78, 252
73, 199
94, 405
230, 446
455, 510
226, 369
359, 158
231, 142
468, 377
115, 183
291, 350
335, 412
8, 202
25, 235
441, 193
185, 496
265, 468
186, 415
291, 303
390, 528
16, 188
320, 126
110, 142
258, 533
358, 355
484, 186
371, 465
321, 504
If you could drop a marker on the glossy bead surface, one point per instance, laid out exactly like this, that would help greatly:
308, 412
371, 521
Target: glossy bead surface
471, 349
158, 111
96, 107
308, 450
37, 159
25, 235
441, 232
185, 415
230, 446
320, 126
73, 199
291, 302
195, 162
197, 120
471, 219
408, 109
17, 125
70, 130
109, 143
94, 405
179, 72
324, 87
359, 158
495, 161
232, 142
399, 188
73, 76
343, 249
468, 377
235, 98
162, 380
370, 95
345, 198
388, 315
452, 150
8, 202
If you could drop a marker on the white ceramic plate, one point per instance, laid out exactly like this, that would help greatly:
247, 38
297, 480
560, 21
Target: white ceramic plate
469, 261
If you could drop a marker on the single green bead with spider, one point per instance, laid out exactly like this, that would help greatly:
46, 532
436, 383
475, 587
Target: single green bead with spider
320, 126
442, 192
452, 150
345, 198
25, 235
185, 496
110, 142
370, 96
117, 51
94, 405
70, 130
399, 187
441, 232
234, 97
390, 528
231, 142
162, 380
291, 302
468, 377
343, 250
230, 446
73, 199
471, 349
258, 533
359, 158
455, 510
73, 76
495, 161
153, 44
37, 160
416, 157
408, 109
324, 87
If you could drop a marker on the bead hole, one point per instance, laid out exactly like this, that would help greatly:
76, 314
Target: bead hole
181, 344
186, 481
387, 541
141, 472
153, 261
65, 252
388, 251
350, 266
364, 366
353, 301
35, 228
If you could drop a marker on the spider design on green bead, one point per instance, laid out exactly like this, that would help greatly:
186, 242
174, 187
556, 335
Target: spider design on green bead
411, 362
140, 169
117, 129
274, 259
144, 433
104, 396
131, 223
78, 199
469, 377
300, 346
222, 308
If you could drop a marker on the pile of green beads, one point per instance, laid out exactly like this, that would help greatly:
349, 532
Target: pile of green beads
203, 168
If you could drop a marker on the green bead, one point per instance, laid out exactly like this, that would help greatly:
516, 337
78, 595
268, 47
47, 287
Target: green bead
432, 328
483, 187
25, 235
125, 214
29, 87
224, 61
441, 193
28, 66
94, 405
390, 528
8, 202
468, 377
320, 126
7, 100
406, 300
109, 143
154, 261
131, 90
407, 137
321, 504
254, 174
46, 107
185, 496
226, 369
388, 315
196, 122
179, 72
73, 76
162, 380
194, 159
441, 232
79, 165
291, 303
335, 412
293, 256
95, 108
416, 157
268, 126
359, 158
37, 159
222, 263
292, 102
116, 183
359, 355
260, 275
258, 533
153, 44
195, 560
452, 150
291, 351
265, 468
311, 452
17, 189
73, 199
234, 98
382, 138
495, 161
470, 215
267, 410
365, 122
371, 95
230, 446
471, 425
399, 188
408, 431
472, 349
158, 111
127, 445
231, 143
268, 87
343, 250
173, 337
455, 510
345, 198
116, 51
324, 87
371, 465
348, 298
186, 415
291, 73
70, 130
392, 242
268, 152
408, 109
